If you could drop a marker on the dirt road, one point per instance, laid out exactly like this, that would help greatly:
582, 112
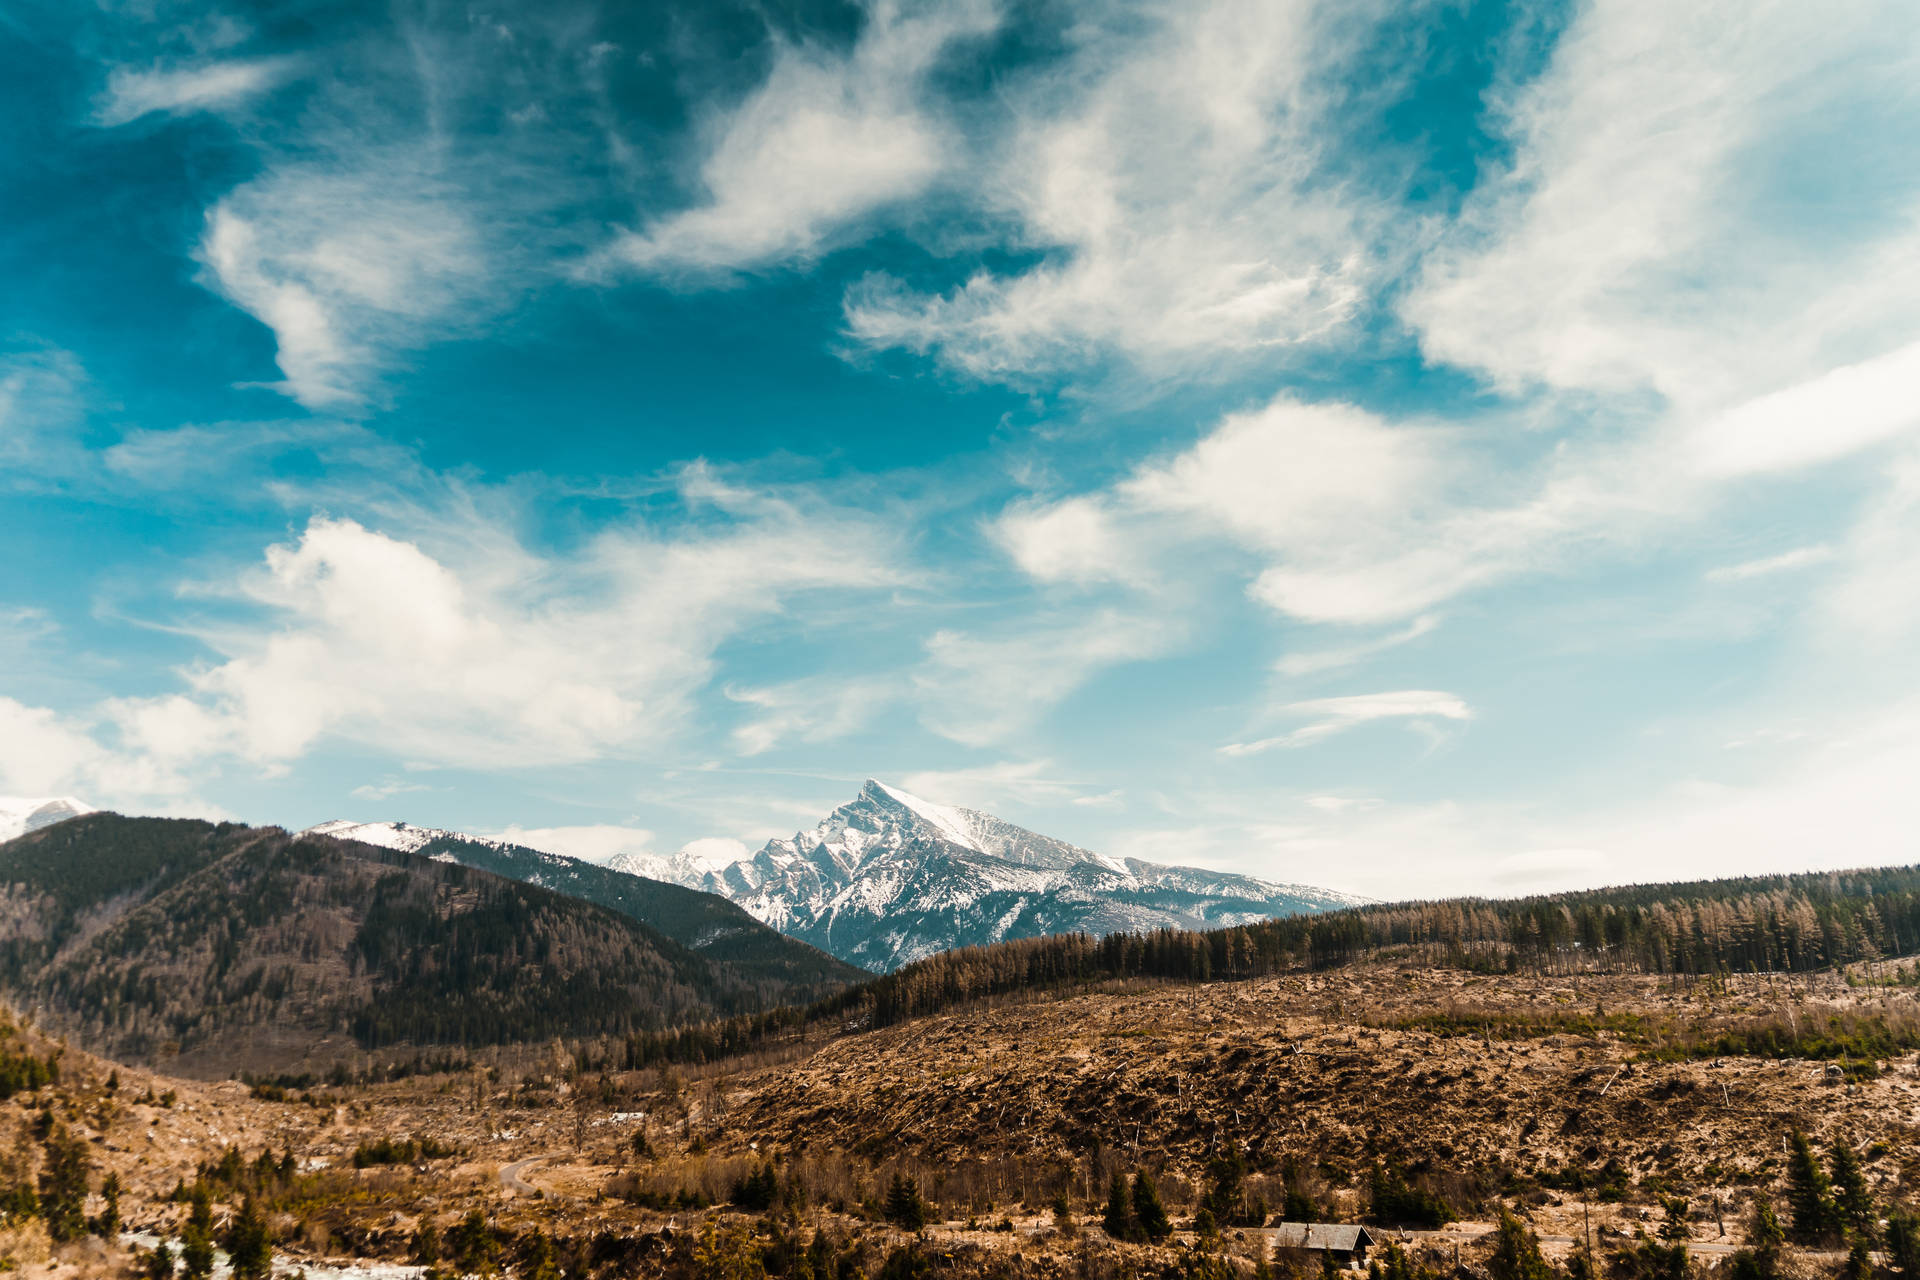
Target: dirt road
511, 1180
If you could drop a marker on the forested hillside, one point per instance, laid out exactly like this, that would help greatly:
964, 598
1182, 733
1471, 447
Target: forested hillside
1789, 924
212, 947
704, 922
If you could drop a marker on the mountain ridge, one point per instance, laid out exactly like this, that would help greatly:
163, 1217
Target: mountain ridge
218, 947
890, 878
696, 918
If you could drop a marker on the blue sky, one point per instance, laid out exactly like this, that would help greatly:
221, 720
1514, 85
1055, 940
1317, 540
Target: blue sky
1412, 448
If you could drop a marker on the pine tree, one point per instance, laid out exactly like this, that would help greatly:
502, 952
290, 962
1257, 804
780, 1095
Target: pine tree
1147, 1210
1760, 1260
63, 1184
1809, 1193
18, 1199
1859, 1263
1852, 1197
1516, 1252
1118, 1218
196, 1238
107, 1225
905, 1208
1063, 1215
471, 1242
159, 1263
426, 1243
1903, 1241
538, 1262
727, 1254
1663, 1261
1224, 1196
1674, 1229
1394, 1264
250, 1244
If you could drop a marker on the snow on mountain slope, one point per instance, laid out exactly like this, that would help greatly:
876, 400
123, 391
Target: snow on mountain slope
890, 878
395, 835
19, 815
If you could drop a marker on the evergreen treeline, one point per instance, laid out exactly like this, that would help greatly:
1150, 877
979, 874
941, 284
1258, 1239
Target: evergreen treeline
1790, 924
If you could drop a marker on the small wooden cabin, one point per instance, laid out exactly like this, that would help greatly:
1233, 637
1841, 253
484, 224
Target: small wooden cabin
1347, 1242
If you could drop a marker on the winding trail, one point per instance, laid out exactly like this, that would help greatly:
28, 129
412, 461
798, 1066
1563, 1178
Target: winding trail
511, 1181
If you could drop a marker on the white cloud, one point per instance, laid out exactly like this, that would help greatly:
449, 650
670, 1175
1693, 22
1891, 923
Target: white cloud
42, 754
827, 138
1767, 566
387, 790
1298, 478
1073, 540
1003, 784
487, 654
715, 851
1870, 608
46, 752
1707, 202
133, 92
1355, 519
346, 267
983, 687
1165, 171
1837, 796
814, 709
1330, 716
41, 410
1829, 416
1312, 661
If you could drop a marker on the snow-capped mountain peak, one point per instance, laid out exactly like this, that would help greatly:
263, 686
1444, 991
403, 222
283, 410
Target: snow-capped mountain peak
890, 877
951, 823
20, 814
400, 836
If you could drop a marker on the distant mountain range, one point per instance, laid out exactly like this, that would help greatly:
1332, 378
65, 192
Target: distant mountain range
216, 948
889, 878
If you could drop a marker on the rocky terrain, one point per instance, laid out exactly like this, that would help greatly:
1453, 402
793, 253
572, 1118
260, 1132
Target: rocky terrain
1007, 1118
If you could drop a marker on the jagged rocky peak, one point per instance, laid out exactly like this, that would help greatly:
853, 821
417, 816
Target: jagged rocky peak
890, 877
891, 818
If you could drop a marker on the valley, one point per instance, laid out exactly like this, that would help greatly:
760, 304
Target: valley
1012, 1117
401, 1061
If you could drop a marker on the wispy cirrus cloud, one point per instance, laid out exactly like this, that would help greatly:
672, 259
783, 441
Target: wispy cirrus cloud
1659, 227
828, 137
986, 685
1767, 566
347, 267
1329, 716
1165, 177
134, 92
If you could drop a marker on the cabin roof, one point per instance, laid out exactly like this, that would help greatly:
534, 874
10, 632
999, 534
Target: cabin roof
1339, 1237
